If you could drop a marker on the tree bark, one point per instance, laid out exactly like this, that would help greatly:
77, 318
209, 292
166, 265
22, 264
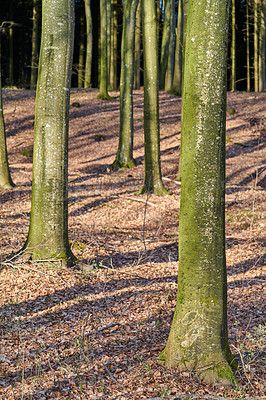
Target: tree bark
5, 177
233, 47
171, 49
48, 231
137, 48
124, 157
165, 42
256, 45
88, 62
262, 42
248, 46
81, 49
113, 66
103, 94
198, 340
153, 179
35, 43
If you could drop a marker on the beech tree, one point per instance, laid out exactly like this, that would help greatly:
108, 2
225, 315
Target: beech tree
35, 43
48, 231
124, 157
5, 177
104, 80
153, 178
198, 339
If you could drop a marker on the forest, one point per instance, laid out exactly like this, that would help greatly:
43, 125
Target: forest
132, 198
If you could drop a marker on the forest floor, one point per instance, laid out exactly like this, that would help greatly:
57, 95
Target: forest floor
66, 334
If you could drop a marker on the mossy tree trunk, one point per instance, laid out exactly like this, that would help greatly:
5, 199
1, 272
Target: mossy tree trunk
137, 48
88, 62
153, 179
124, 157
165, 42
5, 178
198, 339
103, 94
48, 231
35, 43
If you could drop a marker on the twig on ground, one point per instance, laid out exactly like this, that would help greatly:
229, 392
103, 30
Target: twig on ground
111, 375
243, 364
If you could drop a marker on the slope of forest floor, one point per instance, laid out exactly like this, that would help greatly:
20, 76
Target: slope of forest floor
66, 334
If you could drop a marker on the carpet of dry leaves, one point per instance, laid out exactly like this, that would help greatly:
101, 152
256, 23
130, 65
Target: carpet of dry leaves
66, 334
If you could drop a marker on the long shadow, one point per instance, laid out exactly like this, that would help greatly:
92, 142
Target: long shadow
247, 147
251, 263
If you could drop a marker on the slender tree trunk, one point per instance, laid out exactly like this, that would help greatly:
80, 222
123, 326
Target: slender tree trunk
109, 23
35, 43
171, 51
5, 178
262, 42
198, 340
233, 47
124, 157
153, 179
81, 50
165, 42
113, 66
11, 46
137, 48
248, 47
180, 46
48, 231
103, 95
256, 46
88, 63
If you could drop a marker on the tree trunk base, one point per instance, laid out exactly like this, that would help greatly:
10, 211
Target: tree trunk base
117, 164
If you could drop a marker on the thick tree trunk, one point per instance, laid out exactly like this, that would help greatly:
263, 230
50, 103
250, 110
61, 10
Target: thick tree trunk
88, 62
103, 94
5, 178
124, 158
48, 231
137, 47
198, 339
153, 179
35, 42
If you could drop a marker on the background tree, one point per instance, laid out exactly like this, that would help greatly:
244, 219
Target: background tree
114, 44
153, 178
5, 177
137, 48
198, 340
233, 46
262, 42
104, 79
35, 43
88, 63
124, 157
48, 231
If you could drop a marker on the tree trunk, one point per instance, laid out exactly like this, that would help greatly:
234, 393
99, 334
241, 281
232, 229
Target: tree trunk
103, 95
233, 47
11, 46
113, 66
171, 49
256, 46
198, 340
248, 47
137, 48
262, 41
81, 49
153, 179
5, 178
48, 231
124, 158
180, 46
165, 42
88, 63
35, 42
108, 33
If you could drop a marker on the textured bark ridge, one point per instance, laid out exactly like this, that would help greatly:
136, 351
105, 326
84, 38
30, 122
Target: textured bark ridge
48, 232
198, 339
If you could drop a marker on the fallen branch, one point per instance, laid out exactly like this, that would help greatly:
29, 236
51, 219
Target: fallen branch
111, 375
